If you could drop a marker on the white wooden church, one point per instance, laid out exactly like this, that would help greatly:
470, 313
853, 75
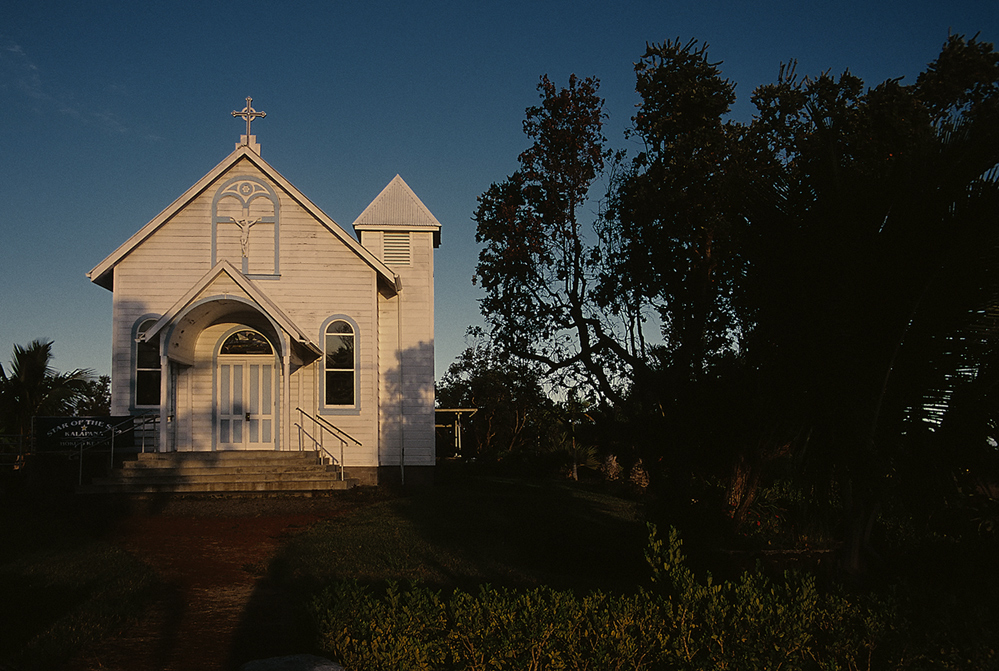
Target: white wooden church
245, 318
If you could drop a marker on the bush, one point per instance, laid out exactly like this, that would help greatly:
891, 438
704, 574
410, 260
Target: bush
403, 629
682, 622
610, 469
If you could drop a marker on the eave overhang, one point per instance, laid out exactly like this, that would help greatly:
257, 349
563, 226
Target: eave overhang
103, 273
198, 307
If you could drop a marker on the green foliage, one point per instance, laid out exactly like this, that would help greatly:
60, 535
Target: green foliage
32, 387
683, 622
403, 629
569, 436
751, 622
505, 390
489, 630
94, 399
873, 258
493, 629
787, 514
824, 278
754, 621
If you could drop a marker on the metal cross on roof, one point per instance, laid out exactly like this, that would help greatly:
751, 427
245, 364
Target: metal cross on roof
249, 114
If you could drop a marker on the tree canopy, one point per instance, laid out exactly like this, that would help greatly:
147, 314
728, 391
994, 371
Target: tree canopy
819, 283
505, 391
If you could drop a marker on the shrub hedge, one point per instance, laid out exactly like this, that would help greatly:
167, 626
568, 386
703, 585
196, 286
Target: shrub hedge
681, 622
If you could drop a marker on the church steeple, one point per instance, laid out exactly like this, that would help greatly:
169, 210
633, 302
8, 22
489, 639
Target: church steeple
398, 209
249, 114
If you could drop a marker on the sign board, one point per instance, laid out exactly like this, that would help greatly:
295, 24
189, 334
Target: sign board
73, 433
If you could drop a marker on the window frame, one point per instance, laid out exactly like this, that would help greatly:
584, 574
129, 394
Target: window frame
339, 409
261, 189
138, 370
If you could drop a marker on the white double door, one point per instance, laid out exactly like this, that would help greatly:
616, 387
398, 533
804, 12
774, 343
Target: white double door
245, 395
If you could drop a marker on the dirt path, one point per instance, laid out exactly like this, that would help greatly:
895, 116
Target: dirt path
215, 608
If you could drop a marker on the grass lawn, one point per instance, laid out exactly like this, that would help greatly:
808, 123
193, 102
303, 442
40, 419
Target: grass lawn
469, 530
61, 587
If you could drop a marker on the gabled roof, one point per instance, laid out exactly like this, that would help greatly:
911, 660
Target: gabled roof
102, 273
397, 207
265, 304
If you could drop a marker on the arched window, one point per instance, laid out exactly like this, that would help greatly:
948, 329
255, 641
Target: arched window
246, 342
147, 367
340, 364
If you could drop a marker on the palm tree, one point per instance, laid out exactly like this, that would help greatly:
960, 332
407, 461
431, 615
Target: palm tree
32, 387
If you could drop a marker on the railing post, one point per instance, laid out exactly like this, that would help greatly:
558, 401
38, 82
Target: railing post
323, 426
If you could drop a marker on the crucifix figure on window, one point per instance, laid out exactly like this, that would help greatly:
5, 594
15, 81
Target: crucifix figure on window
244, 230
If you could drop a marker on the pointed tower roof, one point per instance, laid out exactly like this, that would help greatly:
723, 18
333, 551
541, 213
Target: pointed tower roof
397, 208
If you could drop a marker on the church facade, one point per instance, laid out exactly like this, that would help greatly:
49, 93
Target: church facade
245, 318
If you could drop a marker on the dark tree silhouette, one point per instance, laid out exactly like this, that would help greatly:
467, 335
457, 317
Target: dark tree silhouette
822, 282
95, 399
874, 261
507, 393
536, 266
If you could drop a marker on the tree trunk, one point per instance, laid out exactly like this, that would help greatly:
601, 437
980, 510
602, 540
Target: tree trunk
857, 549
742, 487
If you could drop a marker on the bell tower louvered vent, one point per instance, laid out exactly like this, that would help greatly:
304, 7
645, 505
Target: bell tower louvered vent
396, 249
402, 217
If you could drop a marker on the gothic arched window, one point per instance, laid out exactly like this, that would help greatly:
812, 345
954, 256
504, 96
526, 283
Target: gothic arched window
340, 365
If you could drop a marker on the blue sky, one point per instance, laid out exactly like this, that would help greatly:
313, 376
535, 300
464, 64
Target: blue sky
110, 110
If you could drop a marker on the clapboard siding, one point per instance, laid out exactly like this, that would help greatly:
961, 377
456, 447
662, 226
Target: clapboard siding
408, 367
319, 274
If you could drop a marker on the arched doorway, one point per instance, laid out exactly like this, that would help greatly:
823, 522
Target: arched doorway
245, 392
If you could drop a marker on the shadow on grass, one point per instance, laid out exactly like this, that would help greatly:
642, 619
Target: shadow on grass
61, 586
476, 529
467, 530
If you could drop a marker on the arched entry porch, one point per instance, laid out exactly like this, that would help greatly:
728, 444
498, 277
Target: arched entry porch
228, 362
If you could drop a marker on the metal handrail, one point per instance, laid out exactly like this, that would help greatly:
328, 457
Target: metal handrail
318, 446
325, 426
332, 428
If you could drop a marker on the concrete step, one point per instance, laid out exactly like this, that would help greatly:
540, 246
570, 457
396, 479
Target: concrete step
142, 459
215, 487
161, 476
198, 470
228, 471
